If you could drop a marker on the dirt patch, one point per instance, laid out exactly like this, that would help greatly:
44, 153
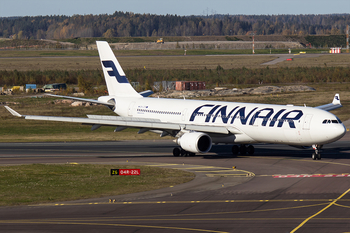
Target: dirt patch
232, 92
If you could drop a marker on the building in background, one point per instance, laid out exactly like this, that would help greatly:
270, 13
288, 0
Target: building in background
190, 85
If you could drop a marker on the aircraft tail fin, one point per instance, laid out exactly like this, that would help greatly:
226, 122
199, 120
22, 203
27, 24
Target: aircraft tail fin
116, 81
336, 99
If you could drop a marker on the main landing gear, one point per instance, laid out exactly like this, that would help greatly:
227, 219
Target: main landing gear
243, 149
181, 152
316, 155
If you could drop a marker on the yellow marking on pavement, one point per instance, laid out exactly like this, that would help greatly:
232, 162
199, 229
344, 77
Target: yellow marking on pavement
111, 224
90, 220
344, 206
228, 170
298, 160
319, 212
233, 212
161, 165
199, 167
225, 175
216, 219
184, 202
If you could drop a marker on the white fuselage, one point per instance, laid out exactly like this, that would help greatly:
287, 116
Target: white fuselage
257, 123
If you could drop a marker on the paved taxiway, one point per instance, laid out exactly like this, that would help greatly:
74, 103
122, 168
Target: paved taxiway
220, 199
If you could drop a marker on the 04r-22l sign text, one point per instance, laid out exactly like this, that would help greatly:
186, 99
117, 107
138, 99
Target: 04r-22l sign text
125, 172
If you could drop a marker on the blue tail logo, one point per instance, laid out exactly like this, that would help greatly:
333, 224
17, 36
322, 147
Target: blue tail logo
114, 72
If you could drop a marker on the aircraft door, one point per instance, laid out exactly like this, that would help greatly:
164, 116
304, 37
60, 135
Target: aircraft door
184, 114
306, 122
304, 133
131, 107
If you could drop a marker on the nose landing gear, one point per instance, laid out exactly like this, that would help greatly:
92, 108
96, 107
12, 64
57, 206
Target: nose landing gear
316, 155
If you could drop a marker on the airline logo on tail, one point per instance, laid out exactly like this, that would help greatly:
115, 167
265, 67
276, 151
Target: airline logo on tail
114, 72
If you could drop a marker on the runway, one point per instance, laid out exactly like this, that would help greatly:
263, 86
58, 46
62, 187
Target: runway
279, 189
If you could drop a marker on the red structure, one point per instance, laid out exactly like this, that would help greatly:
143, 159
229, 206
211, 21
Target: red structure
189, 85
335, 50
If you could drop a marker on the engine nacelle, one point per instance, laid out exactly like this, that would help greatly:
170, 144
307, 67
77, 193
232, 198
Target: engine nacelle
108, 99
195, 142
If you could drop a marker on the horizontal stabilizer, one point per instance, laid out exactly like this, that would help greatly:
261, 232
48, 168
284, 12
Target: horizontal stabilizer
146, 93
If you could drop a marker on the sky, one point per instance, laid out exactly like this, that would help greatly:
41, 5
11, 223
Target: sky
10, 8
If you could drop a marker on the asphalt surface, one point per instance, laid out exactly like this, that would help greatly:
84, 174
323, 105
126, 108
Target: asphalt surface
279, 189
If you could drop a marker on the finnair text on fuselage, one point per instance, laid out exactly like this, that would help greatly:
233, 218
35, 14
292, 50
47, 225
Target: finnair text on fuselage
212, 112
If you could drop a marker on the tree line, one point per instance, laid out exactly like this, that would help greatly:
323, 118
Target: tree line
89, 79
127, 24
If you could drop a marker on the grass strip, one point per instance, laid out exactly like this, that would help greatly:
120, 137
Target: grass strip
42, 183
170, 52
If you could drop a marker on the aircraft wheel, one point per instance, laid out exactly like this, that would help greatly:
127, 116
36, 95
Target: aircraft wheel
314, 156
235, 149
183, 152
242, 149
250, 149
176, 151
191, 154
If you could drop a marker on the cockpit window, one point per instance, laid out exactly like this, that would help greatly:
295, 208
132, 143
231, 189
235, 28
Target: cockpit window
328, 121
339, 120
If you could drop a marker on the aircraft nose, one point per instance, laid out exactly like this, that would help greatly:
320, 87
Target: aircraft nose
328, 133
337, 132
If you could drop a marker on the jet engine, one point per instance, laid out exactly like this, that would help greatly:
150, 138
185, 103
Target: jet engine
195, 142
109, 100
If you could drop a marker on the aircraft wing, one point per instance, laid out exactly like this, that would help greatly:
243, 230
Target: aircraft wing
334, 105
82, 99
130, 122
143, 93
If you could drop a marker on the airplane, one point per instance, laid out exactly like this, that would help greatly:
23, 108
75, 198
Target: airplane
198, 124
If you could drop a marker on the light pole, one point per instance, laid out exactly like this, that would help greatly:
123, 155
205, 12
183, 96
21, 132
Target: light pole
347, 38
253, 43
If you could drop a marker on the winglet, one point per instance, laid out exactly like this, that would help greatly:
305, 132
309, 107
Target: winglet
336, 100
334, 105
13, 112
